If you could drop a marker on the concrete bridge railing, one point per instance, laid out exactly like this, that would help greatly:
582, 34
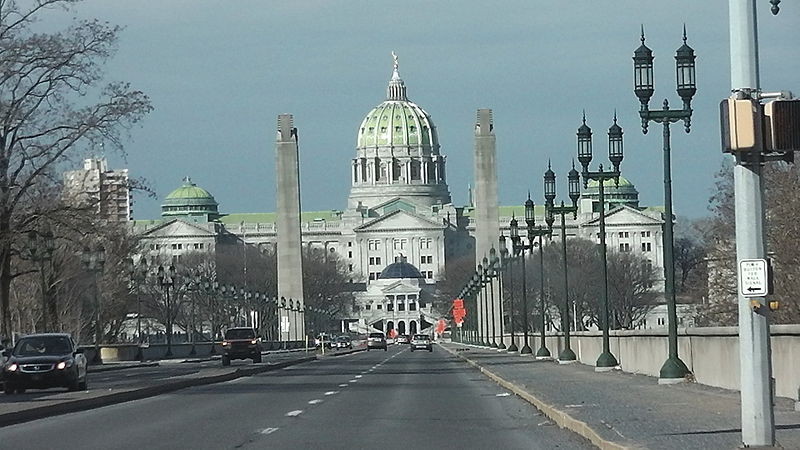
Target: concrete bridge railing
711, 353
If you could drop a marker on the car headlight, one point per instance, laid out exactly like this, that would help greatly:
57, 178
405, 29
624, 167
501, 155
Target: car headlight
12, 367
64, 364
225, 343
254, 341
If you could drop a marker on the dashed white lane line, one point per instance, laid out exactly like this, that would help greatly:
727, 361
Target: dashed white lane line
316, 401
331, 392
268, 430
353, 381
504, 394
294, 413
343, 385
358, 376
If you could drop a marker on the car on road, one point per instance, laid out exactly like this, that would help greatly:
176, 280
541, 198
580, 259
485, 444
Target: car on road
376, 340
343, 342
241, 343
421, 341
403, 339
324, 339
46, 360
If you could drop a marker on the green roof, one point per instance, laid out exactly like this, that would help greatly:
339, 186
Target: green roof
609, 183
271, 217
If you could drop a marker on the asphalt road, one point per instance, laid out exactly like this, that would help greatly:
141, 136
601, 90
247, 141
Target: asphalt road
376, 399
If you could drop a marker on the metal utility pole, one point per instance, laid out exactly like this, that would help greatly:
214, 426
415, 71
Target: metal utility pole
758, 422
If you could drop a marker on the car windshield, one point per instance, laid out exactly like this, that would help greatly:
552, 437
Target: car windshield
420, 337
240, 334
376, 335
343, 339
43, 345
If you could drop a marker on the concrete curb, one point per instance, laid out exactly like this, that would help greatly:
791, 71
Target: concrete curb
109, 368
57, 409
561, 418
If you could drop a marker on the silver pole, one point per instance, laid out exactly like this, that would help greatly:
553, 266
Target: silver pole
758, 424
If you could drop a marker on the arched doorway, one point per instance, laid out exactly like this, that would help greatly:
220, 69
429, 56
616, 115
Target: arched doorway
412, 327
389, 328
401, 327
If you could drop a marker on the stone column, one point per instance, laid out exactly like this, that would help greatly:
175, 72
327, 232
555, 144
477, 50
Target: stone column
487, 227
290, 265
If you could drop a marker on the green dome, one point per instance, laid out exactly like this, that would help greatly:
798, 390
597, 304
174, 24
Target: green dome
189, 200
397, 122
624, 193
623, 182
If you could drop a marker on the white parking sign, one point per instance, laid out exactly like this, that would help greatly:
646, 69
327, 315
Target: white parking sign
753, 277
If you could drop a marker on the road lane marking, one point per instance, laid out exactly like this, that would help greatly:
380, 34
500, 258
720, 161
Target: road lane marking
504, 394
358, 376
316, 401
343, 385
353, 381
268, 430
331, 392
294, 413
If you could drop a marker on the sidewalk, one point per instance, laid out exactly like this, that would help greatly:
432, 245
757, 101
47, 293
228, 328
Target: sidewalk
622, 410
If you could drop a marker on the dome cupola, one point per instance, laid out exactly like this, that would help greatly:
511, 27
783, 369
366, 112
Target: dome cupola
190, 200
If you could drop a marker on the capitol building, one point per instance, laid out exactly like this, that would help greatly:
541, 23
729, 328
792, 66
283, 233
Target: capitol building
400, 227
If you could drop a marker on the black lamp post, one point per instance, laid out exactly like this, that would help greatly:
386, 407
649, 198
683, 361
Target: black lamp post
488, 280
211, 289
535, 231
166, 279
673, 369
567, 355
477, 286
505, 263
606, 360
138, 275
496, 273
93, 260
41, 246
519, 247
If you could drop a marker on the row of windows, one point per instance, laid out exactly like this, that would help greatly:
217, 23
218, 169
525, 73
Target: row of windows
399, 243
196, 246
374, 260
626, 234
626, 247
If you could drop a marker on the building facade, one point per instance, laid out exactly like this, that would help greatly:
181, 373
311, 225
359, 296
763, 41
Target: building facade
105, 191
399, 216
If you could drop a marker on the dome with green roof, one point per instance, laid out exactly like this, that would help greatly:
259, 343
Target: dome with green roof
397, 122
622, 193
190, 200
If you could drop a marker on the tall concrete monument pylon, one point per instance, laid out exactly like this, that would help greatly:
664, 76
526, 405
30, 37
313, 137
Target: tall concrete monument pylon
487, 228
290, 263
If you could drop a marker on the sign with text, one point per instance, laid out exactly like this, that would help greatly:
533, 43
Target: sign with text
754, 277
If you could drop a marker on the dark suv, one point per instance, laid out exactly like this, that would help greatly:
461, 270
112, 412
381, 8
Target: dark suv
241, 343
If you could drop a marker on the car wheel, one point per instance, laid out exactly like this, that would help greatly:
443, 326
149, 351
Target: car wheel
226, 361
20, 390
385, 349
367, 348
8, 389
412, 349
257, 358
430, 349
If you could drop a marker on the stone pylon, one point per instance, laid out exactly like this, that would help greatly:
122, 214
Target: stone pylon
290, 263
487, 228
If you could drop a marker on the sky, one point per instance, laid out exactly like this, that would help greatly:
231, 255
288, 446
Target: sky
219, 72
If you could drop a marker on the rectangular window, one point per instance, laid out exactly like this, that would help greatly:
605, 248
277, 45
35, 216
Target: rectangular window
371, 276
390, 306
430, 274
401, 306
400, 244
368, 307
378, 260
350, 244
201, 246
624, 247
379, 306
646, 246
350, 255
350, 267
412, 306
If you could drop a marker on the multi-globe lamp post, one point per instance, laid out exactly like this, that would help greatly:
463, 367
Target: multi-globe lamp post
505, 264
519, 248
567, 355
166, 279
673, 370
606, 361
538, 231
496, 265
93, 259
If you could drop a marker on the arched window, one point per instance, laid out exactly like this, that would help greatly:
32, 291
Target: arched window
415, 170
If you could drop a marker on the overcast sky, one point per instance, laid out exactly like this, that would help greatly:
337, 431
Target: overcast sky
219, 72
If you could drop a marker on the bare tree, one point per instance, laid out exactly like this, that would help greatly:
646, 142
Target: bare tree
44, 117
630, 289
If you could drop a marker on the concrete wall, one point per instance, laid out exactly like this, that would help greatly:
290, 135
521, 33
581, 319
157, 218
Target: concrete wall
154, 352
712, 353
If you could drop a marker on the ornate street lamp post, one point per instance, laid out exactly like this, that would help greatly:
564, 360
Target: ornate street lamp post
93, 260
488, 280
567, 355
673, 370
496, 272
606, 360
41, 246
505, 263
138, 275
477, 286
211, 289
166, 279
519, 248
535, 231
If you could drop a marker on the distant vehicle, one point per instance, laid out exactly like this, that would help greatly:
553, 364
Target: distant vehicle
376, 340
342, 342
421, 341
402, 339
324, 339
46, 360
241, 343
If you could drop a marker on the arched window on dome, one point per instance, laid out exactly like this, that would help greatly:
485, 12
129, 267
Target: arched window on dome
415, 170
395, 169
